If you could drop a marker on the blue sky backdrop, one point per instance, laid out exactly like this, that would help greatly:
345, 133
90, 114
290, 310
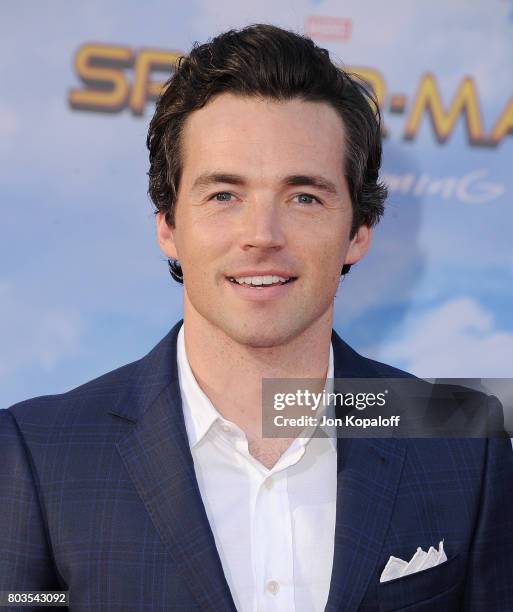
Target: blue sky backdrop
83, 286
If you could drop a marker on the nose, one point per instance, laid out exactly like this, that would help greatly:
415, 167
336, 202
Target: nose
262, 227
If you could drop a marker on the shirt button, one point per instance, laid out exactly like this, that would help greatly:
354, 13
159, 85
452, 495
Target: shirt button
269, 484
273, 587
227, 429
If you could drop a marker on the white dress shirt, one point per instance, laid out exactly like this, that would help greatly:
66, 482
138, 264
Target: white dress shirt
274, 528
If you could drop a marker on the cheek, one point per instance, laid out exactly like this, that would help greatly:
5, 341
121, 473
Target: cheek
196, 241
210, 233
327, 254
328, 267
202, 254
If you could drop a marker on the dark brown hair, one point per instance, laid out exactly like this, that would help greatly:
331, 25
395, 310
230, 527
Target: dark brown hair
266, 61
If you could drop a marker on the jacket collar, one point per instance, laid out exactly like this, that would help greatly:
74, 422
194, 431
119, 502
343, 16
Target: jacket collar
153, 374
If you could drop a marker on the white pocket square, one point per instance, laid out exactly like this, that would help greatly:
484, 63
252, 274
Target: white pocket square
395, 568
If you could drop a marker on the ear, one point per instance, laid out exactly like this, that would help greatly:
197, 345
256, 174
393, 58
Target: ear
165, 236
359, 244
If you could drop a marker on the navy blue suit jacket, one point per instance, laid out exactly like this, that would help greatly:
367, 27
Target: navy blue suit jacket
99, 497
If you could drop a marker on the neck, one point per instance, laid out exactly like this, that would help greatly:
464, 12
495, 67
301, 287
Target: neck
230, 373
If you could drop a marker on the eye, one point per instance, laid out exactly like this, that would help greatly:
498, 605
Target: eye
222, 196
307, 198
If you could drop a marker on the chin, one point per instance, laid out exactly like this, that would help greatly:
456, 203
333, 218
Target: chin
253, 337
259, 342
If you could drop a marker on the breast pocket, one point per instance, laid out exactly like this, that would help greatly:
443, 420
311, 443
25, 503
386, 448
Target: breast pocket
439, 586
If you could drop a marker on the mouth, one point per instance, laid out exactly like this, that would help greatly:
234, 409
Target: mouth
261, 282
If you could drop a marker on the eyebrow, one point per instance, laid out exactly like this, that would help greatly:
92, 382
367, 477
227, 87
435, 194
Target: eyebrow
209, 179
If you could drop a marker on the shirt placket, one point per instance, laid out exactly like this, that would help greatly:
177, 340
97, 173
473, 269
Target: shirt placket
272, 539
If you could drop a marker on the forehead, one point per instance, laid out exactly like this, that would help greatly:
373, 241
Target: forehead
267, 136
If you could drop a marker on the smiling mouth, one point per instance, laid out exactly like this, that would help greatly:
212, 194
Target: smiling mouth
261, 282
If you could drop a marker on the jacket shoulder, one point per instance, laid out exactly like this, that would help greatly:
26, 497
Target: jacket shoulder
94, 396
349, 363
386, 370
90, 403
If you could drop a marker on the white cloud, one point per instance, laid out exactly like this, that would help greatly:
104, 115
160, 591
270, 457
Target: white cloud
457, 339
34, 334
8, 121
472, 27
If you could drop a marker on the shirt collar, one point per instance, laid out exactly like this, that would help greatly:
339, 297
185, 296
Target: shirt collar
199, 412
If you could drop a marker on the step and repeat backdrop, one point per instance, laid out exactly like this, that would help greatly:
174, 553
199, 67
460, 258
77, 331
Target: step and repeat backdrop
83, 286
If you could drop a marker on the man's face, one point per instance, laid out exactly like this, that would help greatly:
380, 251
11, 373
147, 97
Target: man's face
262, 194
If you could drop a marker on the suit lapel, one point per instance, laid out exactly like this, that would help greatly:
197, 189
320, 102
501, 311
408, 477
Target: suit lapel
369, 471
158, 459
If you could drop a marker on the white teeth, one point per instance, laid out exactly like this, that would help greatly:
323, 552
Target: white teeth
268, 279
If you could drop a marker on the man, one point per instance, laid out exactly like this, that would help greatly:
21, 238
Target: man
152, 487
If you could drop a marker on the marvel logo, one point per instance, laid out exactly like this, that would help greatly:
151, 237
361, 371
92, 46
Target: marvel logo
328, 28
